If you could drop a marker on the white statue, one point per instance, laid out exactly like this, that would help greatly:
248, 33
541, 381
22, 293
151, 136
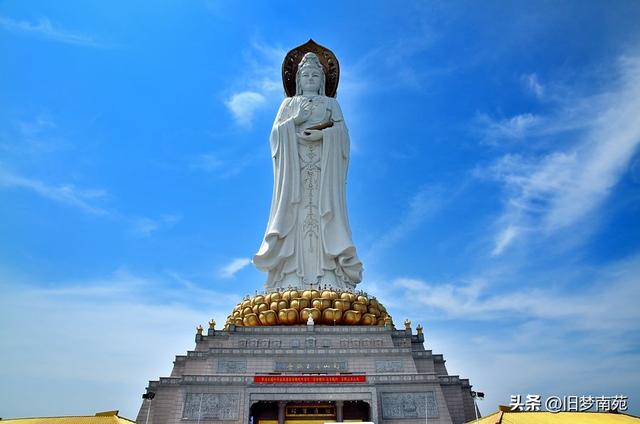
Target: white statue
308, 238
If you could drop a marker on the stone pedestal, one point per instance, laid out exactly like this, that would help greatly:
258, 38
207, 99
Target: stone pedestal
383, 375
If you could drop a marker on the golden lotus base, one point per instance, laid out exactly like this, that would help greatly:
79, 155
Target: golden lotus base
294, 307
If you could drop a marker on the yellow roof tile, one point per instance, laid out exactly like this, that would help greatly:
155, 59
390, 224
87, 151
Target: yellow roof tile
557, 418
109, 417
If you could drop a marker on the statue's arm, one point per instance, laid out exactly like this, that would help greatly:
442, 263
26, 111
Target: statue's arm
339, 125
279, 125
284, 112
336, 111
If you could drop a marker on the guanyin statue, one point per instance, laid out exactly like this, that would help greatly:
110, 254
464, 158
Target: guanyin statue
308, 237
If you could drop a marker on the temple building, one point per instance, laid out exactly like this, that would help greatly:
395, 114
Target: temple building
299, 370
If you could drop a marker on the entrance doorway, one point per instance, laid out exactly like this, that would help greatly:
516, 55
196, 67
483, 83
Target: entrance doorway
309, 412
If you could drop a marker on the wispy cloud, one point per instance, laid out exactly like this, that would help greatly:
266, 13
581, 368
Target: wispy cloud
36, 126
547, 333
222, 164
504, 239
556, 190
67, 194
475, 301
132, 325
207, 162
514, 128
236, 265
533, 85
420, 207
145, 227
46, 29
243, 106
606, 301
30, 139
260, 84
398, 63
86, 200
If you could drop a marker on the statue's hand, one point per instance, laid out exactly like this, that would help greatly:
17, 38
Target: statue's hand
311, 135
303, 113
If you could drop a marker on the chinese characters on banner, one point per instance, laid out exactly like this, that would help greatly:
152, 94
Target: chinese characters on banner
309, 379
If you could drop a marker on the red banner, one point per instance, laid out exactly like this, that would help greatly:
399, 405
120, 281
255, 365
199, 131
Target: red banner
308, 379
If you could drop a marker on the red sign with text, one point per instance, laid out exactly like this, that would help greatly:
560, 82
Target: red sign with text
308, 379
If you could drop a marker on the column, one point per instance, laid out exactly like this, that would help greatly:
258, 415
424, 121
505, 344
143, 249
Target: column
281, 410
339, 405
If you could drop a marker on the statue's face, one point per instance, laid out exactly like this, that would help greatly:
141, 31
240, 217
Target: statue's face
310, 78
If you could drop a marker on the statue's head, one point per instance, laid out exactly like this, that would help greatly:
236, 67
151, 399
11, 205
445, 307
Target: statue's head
310, 75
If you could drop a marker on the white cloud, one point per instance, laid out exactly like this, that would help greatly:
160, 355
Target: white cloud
146, 226
515, 128
606, 301
85, 200
559, 189
421, 205
66, 193
243, 106
46, 29
521, 339
132, 326
230, 269
207, 162
504, 239
260, 83
40, 124
533, 85
34, 138
396, 63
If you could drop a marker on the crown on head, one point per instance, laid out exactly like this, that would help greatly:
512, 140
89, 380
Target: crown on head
310, 60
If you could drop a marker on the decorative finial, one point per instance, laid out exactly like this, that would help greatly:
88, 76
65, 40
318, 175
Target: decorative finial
212, 324
387, 321
199, 330
407, 324
419, 329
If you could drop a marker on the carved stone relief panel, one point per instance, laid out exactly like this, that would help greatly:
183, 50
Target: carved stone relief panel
355, 343
232, 366
389, 365
408, 405
219, 406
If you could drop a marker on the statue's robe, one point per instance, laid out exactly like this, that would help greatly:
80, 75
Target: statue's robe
281, 251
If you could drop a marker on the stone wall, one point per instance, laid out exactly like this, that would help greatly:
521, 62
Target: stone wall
215, 381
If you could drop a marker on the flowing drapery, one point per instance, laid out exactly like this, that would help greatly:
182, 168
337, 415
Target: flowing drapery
280, 251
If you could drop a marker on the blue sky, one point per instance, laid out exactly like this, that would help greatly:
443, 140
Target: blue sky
493, 189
